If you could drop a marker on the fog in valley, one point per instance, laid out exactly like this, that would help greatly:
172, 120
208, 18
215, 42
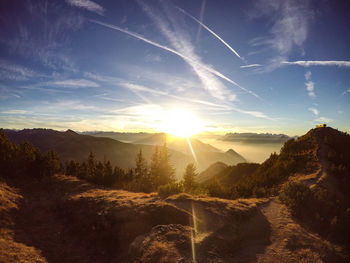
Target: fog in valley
252, 152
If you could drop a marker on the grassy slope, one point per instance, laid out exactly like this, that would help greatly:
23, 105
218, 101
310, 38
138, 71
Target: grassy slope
63, 219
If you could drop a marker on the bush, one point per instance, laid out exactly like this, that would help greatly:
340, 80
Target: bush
215, 189
296, 196
170, 189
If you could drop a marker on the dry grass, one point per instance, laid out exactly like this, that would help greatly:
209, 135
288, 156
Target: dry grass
63, 219
10, 249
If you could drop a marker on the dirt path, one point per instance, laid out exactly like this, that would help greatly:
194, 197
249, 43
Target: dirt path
290, 242
282, 227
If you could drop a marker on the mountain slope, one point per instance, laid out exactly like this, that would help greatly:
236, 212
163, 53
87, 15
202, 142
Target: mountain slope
312, 175
255, 138
74, 146
211, 171
120, 136
233, 174
205, 153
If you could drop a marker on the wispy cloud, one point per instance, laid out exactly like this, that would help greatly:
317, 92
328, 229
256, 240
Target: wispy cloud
45, 44
256, 114
74, 83
15, 72
136, 87
323, 119
347, 91
8, 93
251, 66
88, 5
289, 22
309, 63
310, 85
200, 68
153, 58
14, 112
210, 31
313, 110
141, 88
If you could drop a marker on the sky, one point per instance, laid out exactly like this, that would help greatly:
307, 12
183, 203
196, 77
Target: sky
237, 66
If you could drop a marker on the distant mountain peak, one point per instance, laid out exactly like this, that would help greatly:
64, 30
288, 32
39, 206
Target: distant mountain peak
69, 131
231, 151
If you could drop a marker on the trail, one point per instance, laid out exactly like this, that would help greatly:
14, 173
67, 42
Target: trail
289, 241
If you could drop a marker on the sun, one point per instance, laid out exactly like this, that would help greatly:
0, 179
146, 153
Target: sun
181, 123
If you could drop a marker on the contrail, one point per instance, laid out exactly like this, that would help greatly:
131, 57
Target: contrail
201, 19
210, 31
213, 71
308, 63
251, 66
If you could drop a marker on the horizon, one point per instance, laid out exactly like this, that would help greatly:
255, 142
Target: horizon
127, 66
204, 133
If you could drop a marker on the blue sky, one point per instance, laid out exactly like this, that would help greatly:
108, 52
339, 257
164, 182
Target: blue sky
238, 66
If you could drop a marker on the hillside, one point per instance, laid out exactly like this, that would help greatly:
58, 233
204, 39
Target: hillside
312, 177
76, 222
74, 146
120, 136
211, 171
233, 174
205, 153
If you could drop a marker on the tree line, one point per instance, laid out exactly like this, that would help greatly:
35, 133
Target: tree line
159, 175
26, 159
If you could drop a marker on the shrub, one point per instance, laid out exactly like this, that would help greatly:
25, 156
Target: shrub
295, 196
170, 189
215, 189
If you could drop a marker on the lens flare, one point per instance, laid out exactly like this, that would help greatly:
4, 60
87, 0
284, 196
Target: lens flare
193, 233
180, 123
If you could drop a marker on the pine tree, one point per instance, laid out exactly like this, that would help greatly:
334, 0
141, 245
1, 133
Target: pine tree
141, 177
52, 163
120, 177
82, 170
155, 167
108, 178
8, 155
72, 168
166, 171
99, 173
141, 166
91, 165
189, 182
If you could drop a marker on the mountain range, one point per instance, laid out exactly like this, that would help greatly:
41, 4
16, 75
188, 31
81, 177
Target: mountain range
73, 146
255, 138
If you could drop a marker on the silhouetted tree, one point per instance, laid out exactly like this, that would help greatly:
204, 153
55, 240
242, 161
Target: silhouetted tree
166, 170
98, 173
189, 182
52, 163
155, 167
142, 179
8, 155
91, 165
